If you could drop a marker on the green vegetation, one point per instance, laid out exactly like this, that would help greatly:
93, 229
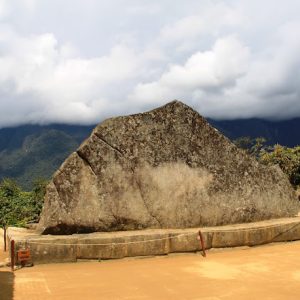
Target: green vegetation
39, 156
33, 151
26, 153
18, 207
287, 158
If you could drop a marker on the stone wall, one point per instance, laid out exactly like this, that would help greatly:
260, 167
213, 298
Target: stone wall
50, 249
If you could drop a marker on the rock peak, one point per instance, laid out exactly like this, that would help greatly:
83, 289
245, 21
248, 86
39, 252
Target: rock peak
174, 104
165, 168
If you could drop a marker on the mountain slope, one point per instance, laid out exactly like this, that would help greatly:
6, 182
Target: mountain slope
286, 133
32, 152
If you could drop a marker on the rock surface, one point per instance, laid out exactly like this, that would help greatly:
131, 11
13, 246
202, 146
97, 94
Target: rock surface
166, 168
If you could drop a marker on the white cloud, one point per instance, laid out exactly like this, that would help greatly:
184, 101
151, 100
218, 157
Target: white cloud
270, 88
208, 21
57, 84
233, 81
214, 69
144, 9
4, 8
77, 63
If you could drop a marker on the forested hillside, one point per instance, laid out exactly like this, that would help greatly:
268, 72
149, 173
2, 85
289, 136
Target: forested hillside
31, 152
286, 133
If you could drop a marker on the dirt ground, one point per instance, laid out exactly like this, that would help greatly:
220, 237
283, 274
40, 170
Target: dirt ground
3, 255
265, 272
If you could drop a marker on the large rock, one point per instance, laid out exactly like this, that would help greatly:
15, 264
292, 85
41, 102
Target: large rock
166, 168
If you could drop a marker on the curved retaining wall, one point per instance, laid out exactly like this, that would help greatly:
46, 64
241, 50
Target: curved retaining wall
112, 245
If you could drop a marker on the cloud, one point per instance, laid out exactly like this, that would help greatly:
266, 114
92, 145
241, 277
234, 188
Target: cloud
3, 7
206, 22
50, 83
81, 63
270, 88
144, 9
232, 81
209, 71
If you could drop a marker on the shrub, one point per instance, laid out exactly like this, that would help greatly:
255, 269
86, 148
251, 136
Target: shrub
288, 160
18, 207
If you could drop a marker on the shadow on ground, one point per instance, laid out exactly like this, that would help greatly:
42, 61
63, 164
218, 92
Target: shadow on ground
6, 285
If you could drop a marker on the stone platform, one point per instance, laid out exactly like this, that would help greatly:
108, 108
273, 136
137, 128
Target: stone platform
121, 244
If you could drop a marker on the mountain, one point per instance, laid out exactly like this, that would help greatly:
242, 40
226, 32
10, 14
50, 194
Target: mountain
286, 133
34, 151
31, 151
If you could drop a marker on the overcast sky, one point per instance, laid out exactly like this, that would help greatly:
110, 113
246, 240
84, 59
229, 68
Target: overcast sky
79, 61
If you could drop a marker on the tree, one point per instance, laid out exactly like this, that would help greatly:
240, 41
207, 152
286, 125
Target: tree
18, 207
38, 193
288, 160
8, 192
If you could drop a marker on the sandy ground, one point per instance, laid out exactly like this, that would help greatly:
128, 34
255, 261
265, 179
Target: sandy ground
265, 272
3, 255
